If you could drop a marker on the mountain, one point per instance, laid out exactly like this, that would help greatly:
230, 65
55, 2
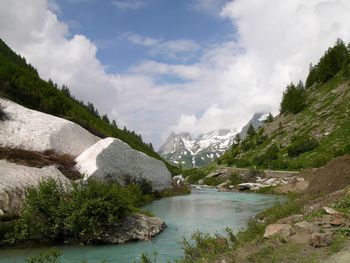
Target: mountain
313, 126
21, 83
181, 149
256, 122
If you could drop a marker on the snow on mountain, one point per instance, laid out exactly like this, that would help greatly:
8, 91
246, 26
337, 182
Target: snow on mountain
182, 150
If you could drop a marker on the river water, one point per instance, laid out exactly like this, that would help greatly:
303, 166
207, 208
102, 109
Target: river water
206, 210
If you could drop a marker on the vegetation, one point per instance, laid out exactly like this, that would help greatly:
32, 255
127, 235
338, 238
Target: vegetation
313, 126
21, 83
301, 145
51, 214
294, 99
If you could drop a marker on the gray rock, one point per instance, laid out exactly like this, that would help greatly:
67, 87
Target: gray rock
306, 227
15, 179
281, 230
321, 239
112, 160
132, 228
213, 175
290, 219
330, 210
201, 182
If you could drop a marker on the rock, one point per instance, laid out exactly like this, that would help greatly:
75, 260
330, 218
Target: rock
36, 131
222, 185
212, 175
251, 186
201, 182
321, 239
132, 228
112, 160
178, 180
281, 230
15, 179
338, 221
1, 212
305, 227
290, 219
330, 211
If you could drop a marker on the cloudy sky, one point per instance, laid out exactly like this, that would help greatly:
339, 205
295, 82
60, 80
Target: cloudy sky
187, 65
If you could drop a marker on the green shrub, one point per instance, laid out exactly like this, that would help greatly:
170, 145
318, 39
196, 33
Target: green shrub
266, 158
194, 175
301, 145
50, 214
235, 179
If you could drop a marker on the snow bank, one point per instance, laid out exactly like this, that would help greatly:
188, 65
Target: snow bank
36, 131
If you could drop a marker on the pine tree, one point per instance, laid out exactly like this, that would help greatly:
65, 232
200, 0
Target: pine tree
269, 118
251, 131
105, 118
237, 138
294, 99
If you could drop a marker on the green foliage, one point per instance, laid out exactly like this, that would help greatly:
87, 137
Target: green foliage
266, 158
235, 179
50, 256
251, 131
329, 65
254, 231
194, 175
21, 83
51, 214
294, 99
206, 245
301, 145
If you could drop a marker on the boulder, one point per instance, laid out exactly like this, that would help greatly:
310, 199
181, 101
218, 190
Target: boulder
132, 228
321, 239
201, 182
178, 180
280, 230
15, 179
36, 131
111, 160
224, 184
213, 175
251, 186
306, 227
330, 211
290, 219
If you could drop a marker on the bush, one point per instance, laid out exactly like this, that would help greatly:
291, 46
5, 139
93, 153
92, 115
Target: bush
266, 158
301, 145
50, 214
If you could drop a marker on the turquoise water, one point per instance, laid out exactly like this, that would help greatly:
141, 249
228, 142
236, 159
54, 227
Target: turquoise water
206, 210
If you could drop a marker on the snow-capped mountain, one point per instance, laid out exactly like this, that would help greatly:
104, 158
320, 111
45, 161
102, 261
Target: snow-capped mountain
181, 149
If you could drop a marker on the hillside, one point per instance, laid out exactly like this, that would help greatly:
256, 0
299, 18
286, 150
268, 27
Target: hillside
21, 83
313, 126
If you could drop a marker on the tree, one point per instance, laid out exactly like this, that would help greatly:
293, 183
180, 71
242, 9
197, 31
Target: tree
105, 118
251, 131
269, 118
114, 124
237, 138
294, 99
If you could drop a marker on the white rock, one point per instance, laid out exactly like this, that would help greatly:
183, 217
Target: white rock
15, 179
36, 131
111, 159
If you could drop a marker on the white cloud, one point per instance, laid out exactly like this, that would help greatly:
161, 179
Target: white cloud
129, 4
172, 48
230, 81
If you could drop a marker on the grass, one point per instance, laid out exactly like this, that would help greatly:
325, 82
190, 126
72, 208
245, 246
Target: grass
65, 163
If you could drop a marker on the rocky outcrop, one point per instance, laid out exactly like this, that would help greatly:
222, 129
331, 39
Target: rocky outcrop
280, 230
36, 131
112, 160
15, 179
133, 228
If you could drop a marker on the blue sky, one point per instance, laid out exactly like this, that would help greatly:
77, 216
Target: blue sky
108, 27
159, 66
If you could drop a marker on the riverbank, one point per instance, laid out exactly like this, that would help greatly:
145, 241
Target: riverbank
208, 210
310, 227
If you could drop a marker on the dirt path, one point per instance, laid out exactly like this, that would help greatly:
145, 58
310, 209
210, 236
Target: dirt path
342, 256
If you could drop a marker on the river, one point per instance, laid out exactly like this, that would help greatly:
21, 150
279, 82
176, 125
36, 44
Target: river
206, 210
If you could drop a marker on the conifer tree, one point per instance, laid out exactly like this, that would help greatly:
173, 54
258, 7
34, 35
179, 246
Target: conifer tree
251, 131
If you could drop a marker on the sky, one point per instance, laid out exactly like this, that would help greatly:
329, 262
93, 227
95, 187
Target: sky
159, 66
